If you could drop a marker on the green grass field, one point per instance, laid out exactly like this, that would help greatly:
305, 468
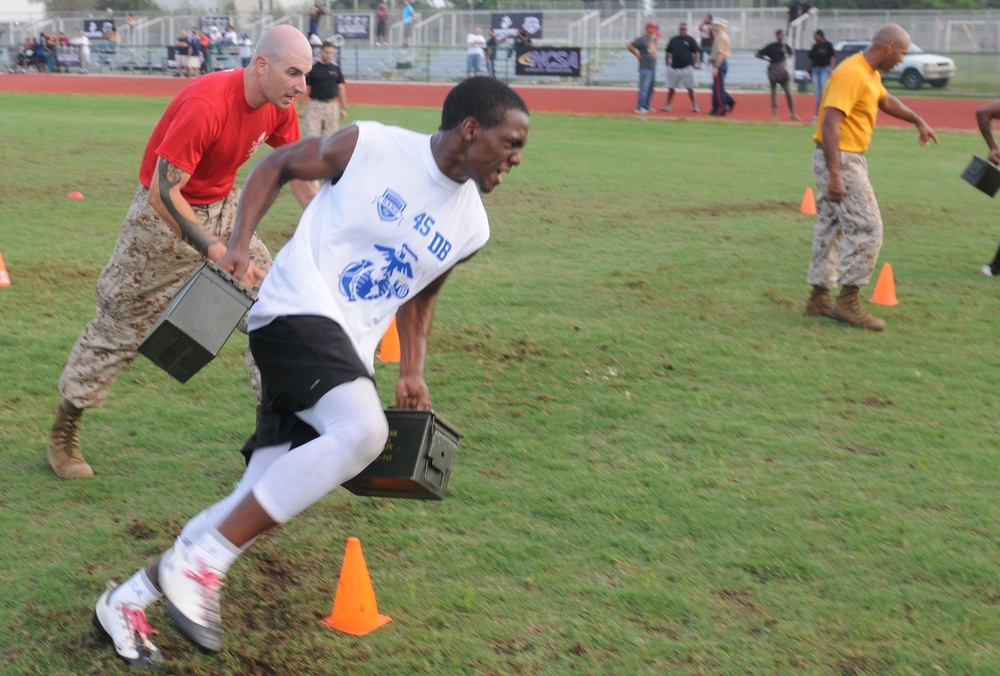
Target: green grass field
666, 467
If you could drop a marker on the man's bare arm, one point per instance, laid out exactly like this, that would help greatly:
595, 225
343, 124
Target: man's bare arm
317, 158
890, 105
166, 198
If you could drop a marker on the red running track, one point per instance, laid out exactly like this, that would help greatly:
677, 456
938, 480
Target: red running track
943, 114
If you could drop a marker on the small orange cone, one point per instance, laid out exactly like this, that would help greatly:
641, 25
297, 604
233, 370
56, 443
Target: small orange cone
808, 203
4, 277
389, 350
885, 288
75, 195
354, 608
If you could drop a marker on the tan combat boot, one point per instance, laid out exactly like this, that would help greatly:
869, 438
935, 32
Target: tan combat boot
848, 309
64, 446
819, 304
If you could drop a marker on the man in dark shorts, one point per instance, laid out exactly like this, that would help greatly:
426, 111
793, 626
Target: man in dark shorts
397, 210
776, 54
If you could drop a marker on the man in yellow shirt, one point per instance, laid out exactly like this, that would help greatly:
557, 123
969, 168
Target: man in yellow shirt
848, 231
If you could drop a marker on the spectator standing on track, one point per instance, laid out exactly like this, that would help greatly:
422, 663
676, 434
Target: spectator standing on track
847, 235
327, 95
182, 214
682, 57
722, 102
643, 48
777, 54
822, 59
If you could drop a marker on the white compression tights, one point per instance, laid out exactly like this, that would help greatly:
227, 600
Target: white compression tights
353, 431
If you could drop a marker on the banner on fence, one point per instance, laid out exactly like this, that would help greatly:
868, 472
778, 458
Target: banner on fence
505, 24
353, 26
96, 29
548, 61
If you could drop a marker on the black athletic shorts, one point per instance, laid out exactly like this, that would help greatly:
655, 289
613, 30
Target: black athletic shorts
301, 358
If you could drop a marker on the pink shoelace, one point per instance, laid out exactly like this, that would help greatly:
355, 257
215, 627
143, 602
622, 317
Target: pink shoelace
137, 618
205, 576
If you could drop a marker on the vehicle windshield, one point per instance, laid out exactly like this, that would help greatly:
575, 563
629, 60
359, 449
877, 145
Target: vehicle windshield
914, 49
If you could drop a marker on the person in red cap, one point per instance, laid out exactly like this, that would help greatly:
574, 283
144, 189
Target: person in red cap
644, 49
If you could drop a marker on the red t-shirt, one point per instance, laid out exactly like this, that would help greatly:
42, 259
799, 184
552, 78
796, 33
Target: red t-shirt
211, 120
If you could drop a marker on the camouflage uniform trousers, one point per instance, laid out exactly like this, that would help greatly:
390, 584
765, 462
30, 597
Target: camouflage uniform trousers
321, 117
149, 264
847, 236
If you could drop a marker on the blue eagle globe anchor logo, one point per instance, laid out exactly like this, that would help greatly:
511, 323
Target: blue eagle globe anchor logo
363, 280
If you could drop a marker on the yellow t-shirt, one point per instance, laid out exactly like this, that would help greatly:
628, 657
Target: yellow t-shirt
855, 88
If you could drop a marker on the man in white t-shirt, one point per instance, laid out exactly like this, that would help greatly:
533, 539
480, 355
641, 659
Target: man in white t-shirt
397, 210
474, 53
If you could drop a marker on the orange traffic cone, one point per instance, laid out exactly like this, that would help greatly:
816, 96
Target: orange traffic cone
354, 608
4, 277
808, 203
389, 350
885, 288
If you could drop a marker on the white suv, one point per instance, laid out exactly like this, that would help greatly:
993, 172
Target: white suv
916, 68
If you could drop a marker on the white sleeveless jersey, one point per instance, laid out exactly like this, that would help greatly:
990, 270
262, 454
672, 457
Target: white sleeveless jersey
390, 226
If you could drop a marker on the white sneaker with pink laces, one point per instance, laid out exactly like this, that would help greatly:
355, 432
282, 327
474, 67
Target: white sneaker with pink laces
126, 627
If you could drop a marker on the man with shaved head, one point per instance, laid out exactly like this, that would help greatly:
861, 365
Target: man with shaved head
848, 233
181, 215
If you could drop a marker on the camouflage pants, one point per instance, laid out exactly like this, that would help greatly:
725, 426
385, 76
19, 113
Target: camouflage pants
149, 264
321, 117
847, 236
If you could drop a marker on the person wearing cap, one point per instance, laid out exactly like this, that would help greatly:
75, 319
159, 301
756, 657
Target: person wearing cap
722, 102
776, 54
644, 49
821, 61
847, 235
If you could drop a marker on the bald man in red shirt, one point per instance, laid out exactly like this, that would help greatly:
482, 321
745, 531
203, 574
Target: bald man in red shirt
182, 214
